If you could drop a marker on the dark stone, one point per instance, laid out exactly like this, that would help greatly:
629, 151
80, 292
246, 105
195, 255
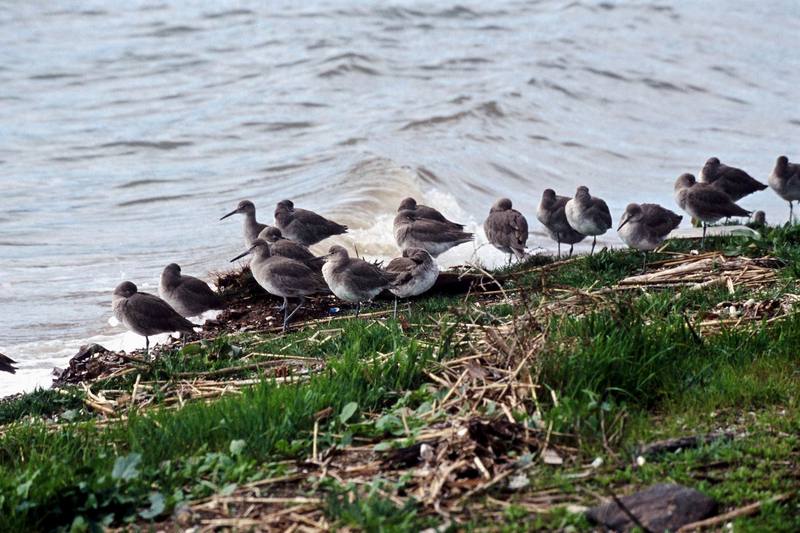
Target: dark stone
659, 508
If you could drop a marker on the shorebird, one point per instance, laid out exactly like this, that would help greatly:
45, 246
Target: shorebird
415, 273
251, 227
188, 295
411, 231
645, 226
705, 202
506, 229
734, 182
7, 364
283, 277
303, 226
354, 280
552, 215
280, 245
146, 314
588, 215
759, 218
785, 181
425, 212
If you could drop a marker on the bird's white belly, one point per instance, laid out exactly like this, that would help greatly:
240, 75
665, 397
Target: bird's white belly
418, 284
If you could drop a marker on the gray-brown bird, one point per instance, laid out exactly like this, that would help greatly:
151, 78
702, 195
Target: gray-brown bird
552, 214
188, 295
423, 211
303, 226
280, 245
507, 229
352, 279
7, 364
734, 182
785, 181
588, 215
146, 314
251, 226
705, 202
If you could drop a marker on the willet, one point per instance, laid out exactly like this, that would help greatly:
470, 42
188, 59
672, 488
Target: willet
785, 181
415, 273
705, 202
188, 295
425, 212
7, 364
734, 182
588, 215
552, 214
283, 277
354, 280
506, 229
280, 245
251, 227
303, 226
645, 226
435, 237
146, 314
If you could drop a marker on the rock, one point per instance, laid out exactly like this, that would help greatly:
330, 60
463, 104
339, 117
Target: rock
659, 508
84, 365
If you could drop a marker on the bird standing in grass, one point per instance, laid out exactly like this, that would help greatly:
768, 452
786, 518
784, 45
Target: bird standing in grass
705, 202
283, 277
588, 215
734, 182
146, 314
506, 229
251, 226
415, 273
552, 214
188, 295
354, 280
785, 181
645, 226
303, 226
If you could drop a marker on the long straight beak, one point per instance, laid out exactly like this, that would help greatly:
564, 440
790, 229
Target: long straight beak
229, 214
323, 257
623, 223
243, 254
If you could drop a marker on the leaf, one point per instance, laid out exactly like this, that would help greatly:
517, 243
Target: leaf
348, 411
236, 447
228, 489
125, 467
383, 446
157, 506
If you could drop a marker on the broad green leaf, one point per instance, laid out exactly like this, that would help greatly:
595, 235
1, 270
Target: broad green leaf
348, 411
125, 467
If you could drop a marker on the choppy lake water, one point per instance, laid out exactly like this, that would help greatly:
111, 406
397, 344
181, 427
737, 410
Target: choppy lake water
127, 129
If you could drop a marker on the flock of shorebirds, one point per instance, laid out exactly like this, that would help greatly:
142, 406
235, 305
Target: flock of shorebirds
282, 264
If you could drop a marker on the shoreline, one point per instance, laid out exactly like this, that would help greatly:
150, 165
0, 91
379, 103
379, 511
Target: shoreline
518, 394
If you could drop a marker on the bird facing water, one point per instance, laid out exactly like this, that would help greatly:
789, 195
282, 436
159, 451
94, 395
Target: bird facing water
303, 226
588, 215
415, 273
251, 227
507, 229
425, 212
411, 231
280, 245
283, 277
188, 295
645, 226
705, 202
785, 181
146, 314
552, 214
352, 279
734, 182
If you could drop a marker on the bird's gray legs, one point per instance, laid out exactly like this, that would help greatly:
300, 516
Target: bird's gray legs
288, 317
395, 308
358, 309
703, 240
570, 249
594, 241
644, 261
791, 213
509, 259
559, 249
146, 347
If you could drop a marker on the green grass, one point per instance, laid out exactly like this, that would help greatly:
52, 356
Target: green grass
630, 372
